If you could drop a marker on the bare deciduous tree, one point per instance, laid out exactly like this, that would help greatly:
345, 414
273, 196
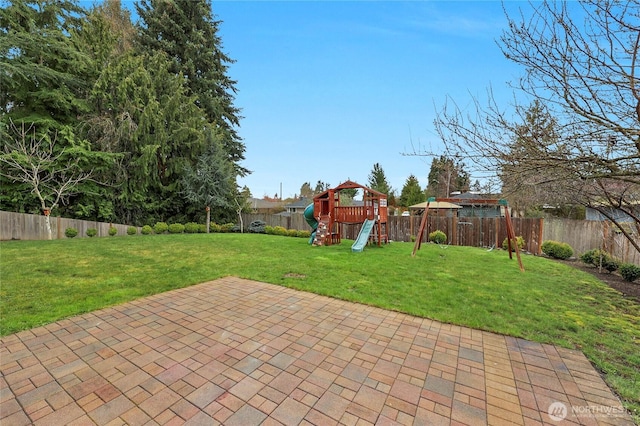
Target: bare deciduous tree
582, 70
52, 174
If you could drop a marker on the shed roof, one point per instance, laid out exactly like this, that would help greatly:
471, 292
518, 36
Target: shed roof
300, 202
258, 203
435, 205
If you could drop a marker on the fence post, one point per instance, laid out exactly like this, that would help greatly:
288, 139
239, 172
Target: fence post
540, 233
454, 230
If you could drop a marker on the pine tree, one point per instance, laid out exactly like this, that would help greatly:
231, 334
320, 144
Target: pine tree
208, 183
306, 191
45, 75
118, 20
158, 129
446, 176
378, 180
321, 187
188, 33
107, 33
524, 166
348, 195
411, 192
41, 68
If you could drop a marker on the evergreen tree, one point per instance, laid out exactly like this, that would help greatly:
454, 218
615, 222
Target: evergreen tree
41, 68
106, 34
245, 193
45, 74
158, 129
306, 191
348, 195
119, 23
524, 166
445, 177
208, 183
320, 187
378, 180
411, 192
391, 198
188, 33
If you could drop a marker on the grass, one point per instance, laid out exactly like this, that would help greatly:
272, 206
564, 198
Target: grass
43, 281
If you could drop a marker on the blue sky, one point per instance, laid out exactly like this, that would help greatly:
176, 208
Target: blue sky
329, 88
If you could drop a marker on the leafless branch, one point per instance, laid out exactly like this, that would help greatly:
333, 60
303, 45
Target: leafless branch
34, 160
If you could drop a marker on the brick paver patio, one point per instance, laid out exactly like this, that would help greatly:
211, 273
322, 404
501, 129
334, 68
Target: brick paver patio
239, 352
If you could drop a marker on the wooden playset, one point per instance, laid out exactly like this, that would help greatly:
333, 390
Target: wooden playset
331, 214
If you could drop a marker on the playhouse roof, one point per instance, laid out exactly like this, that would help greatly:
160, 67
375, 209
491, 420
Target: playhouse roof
351, 185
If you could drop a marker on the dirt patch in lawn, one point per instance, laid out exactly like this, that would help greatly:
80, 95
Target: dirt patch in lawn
294, 275
630, 290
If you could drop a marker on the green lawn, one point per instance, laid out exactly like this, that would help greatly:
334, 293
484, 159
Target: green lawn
43, 281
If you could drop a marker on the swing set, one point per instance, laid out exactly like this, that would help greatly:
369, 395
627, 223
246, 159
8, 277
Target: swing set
511, 235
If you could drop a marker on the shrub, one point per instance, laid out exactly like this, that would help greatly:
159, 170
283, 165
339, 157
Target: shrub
588, 256
70, 232
257, 226
227, 227
191, 228
132, 230
146, 230
214, 227
600, 259
594, 257
92, 232
438, 237
279, 230
519, 240
176, 228
292, 232
160, 227
202, 228
304, 234
611, 264
557, 250
113, 231
269, 230
630, 272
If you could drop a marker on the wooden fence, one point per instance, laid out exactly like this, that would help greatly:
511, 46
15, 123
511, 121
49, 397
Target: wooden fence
20, 226
477, 232
585, 235
582, 235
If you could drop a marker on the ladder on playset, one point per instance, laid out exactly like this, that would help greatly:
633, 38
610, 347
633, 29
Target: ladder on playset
322, 231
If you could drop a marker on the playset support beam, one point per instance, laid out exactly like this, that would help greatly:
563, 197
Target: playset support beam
511, 235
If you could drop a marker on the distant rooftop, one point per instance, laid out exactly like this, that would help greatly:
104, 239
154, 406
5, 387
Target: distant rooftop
259, 203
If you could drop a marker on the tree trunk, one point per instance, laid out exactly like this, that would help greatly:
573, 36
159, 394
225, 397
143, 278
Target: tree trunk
239, 211
47, 221
208, 209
